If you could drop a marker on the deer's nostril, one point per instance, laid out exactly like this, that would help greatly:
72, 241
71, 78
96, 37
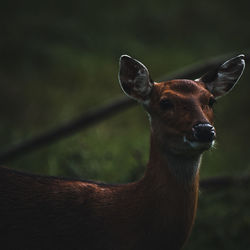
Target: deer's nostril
204, 132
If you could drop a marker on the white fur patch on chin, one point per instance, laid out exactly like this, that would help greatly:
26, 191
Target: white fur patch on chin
197, 145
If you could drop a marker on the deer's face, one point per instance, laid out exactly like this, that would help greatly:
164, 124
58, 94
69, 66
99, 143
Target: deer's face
181, 111
182, 115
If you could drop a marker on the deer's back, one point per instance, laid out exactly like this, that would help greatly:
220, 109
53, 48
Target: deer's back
47, 213
51, 213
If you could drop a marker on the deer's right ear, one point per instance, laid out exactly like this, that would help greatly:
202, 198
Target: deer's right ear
222, 79
134, 79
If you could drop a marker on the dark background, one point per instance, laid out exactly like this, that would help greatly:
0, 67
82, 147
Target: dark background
59, 59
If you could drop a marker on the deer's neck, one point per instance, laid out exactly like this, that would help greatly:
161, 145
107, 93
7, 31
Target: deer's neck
184, 168
159, 209
174, 191
181, 168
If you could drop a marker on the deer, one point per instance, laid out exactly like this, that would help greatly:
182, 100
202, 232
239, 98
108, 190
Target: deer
157, 211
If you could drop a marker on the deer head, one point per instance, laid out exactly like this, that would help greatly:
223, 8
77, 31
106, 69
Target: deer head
181, 111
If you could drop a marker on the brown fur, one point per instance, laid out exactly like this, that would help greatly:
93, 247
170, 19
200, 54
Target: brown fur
157, 212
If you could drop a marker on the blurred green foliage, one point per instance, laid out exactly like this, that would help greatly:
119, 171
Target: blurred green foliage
60, 58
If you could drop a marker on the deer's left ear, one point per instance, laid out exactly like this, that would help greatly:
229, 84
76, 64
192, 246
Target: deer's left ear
134, 79
221, 80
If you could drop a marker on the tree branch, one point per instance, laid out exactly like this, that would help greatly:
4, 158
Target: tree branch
224, 182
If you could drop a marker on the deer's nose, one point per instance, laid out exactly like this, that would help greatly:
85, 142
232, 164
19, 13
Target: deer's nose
204, 132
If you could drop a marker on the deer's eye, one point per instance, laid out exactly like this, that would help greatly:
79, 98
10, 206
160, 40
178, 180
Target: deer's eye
211, 102
166, 104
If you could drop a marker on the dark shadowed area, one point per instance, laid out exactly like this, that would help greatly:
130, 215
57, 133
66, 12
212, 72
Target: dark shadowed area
59, 59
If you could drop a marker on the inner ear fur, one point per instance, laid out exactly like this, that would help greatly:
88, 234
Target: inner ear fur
223, 78
134, 79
